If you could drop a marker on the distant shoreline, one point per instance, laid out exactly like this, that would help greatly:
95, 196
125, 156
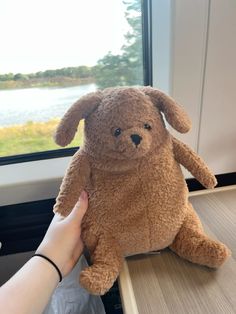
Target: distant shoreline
57, 81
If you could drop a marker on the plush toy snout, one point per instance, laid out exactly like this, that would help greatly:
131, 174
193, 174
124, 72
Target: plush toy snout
133, 142
136, 139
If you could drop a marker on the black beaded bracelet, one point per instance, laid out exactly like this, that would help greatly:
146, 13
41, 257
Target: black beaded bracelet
51, 262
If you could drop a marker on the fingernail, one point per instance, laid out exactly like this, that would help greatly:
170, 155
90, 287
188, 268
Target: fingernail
83, 195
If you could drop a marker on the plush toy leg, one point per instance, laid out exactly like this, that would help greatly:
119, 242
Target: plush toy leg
194, 245
107, 261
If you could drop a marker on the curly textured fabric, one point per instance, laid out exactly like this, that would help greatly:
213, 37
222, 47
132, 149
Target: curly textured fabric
130, 167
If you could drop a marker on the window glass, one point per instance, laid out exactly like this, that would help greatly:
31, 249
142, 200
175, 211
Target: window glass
52, 53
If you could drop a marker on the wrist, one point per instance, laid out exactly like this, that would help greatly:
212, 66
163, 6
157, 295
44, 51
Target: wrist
45, 271
46, 258
54, 255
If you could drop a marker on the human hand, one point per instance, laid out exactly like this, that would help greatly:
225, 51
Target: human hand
62, 242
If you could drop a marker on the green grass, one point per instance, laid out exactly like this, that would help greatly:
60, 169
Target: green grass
32, 137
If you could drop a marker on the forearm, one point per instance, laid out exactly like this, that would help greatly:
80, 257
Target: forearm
30, 289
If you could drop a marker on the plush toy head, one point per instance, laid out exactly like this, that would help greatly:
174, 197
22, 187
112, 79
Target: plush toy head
124, 122
130, 167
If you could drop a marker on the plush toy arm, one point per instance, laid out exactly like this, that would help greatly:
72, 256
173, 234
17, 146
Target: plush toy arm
192, 162
73, 184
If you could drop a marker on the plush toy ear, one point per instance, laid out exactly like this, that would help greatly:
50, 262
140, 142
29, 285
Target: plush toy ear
174, 113
80, 110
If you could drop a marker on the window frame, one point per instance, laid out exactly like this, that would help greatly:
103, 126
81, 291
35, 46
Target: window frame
48, 154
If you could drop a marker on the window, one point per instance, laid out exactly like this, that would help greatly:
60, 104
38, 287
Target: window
52, 53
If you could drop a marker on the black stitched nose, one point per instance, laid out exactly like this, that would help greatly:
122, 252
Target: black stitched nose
136, 139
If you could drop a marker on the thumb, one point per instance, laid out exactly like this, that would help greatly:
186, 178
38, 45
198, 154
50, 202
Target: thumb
80, 207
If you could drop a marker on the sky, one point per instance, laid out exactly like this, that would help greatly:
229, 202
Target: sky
50, 34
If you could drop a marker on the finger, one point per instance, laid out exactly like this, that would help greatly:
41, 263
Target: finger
80, 207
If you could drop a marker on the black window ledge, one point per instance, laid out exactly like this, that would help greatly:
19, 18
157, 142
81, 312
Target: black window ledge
56, 153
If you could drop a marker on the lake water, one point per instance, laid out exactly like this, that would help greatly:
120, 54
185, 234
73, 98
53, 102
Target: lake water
38, 104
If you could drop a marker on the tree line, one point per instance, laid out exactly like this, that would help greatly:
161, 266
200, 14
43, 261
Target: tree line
73, 72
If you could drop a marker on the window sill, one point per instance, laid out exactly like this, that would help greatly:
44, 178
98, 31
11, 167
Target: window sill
30, 181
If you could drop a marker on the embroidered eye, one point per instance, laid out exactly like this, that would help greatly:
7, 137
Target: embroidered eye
147, 126
117, 132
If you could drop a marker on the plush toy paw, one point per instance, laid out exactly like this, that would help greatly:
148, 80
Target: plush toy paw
216, 254
97, 279
210, 182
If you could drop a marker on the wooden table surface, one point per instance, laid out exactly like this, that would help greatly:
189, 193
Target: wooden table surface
165, 283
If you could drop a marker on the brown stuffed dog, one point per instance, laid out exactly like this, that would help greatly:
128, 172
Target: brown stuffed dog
130, 167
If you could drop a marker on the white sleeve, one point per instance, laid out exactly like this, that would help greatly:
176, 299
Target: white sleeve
71, 298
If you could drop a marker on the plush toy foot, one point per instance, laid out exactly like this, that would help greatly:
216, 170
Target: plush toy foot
200, 249
194, 245
97, 279
107, 261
